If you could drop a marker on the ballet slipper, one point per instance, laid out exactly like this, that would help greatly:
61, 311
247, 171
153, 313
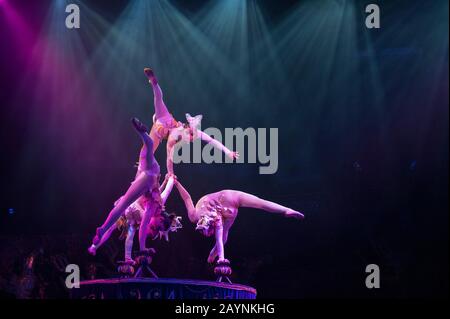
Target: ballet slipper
151, 76
98, 236
139, 126
92, 250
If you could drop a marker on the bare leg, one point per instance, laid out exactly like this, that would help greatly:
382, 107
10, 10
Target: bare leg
248, 200
146, 157
146, 160
93, 249
156, 139
161, 110
136, 190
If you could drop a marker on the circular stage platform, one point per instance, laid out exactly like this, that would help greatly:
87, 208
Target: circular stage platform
149, 288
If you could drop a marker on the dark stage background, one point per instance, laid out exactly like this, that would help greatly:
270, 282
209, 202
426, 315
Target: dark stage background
363, 137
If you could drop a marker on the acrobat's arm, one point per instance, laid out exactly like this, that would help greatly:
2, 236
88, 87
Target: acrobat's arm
170, 151
163, 185
187, 200
129, 242
219, 240
167, 190
213, 254
208, 139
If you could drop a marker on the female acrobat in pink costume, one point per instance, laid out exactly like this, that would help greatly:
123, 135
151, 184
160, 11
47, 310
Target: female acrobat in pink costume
147, 178
130, 221
166, 127
215, 213
145, 184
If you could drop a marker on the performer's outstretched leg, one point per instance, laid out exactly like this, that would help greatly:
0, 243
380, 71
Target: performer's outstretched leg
161, 111
93, 249
145, 163
137, 188
248, 200
146, 157
156, 139
163, 121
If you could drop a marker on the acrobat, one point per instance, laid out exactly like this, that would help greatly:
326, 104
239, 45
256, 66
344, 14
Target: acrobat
160, 225
215, 213
146, 184
166, 127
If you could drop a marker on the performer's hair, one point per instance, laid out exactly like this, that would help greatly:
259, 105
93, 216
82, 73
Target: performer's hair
162, 223
122, 226
207, 222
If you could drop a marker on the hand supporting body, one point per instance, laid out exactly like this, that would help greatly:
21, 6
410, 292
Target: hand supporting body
178, 137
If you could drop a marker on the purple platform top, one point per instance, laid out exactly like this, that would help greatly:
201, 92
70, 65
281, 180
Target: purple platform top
161, 288
172, 281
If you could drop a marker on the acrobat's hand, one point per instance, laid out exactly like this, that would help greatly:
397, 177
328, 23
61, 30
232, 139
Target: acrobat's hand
223, 261
169, 175
212, 256
234, 155
129, 261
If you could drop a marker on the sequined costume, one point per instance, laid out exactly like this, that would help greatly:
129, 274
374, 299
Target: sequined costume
215, 213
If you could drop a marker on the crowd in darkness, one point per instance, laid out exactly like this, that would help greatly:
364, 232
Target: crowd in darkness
34, 267
363, 143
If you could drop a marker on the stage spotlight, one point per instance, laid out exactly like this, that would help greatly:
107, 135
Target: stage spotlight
11, 210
